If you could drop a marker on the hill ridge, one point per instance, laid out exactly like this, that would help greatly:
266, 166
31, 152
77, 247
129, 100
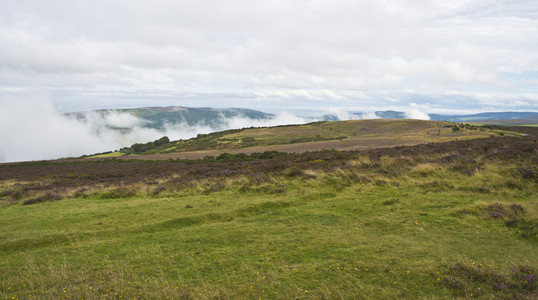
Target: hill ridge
315, 136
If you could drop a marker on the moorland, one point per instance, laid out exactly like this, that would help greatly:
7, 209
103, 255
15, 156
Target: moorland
451, 214
316, 136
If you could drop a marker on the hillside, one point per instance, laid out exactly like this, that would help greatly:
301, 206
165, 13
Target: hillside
446, 220
158, 117
490, 118
339, 135
526, 121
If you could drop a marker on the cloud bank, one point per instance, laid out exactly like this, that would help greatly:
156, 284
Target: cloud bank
416, 112
34, 130
462, 54
31, 128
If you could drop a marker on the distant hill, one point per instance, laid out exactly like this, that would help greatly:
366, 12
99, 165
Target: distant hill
532, 121
387, 114
494, 116
390, 114
158, 117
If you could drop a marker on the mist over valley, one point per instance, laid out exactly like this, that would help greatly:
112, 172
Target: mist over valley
34, 130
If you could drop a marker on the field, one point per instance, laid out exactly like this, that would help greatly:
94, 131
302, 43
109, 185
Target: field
342, 135
438, 220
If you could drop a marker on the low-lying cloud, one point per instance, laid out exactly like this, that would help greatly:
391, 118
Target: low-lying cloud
34, 130
414, 111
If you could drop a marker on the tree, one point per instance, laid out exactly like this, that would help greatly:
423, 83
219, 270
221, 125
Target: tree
162, 141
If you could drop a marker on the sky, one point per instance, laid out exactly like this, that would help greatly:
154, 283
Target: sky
459, 56
287, 57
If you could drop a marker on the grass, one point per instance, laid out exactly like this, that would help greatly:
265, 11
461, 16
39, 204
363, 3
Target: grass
341, 135
106, 155
430, 221
528, 125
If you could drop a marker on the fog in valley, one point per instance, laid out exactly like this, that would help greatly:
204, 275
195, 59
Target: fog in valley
34, 130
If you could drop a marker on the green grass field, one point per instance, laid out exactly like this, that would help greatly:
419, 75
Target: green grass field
431, 221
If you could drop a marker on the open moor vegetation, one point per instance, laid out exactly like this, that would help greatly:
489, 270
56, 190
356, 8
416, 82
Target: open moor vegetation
343, 135
438, 220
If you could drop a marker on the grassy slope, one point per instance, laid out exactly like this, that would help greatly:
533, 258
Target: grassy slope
341, 135
358, 131
412, 222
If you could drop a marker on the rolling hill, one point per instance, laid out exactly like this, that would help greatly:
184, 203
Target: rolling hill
451, 219
524, 121
489, 117
338, 135
158, 117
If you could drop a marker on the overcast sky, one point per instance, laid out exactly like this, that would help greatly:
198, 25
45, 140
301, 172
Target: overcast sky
439, 56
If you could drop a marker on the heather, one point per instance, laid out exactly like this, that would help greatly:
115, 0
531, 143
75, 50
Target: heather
439, 220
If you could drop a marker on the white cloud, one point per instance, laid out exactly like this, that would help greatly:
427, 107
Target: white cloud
416, 112
281, 118
30, 129
461, 55
289, 47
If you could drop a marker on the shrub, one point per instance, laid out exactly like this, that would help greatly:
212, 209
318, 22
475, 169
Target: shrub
162, 141
513, 215
475, 279
497, 210
528, 172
